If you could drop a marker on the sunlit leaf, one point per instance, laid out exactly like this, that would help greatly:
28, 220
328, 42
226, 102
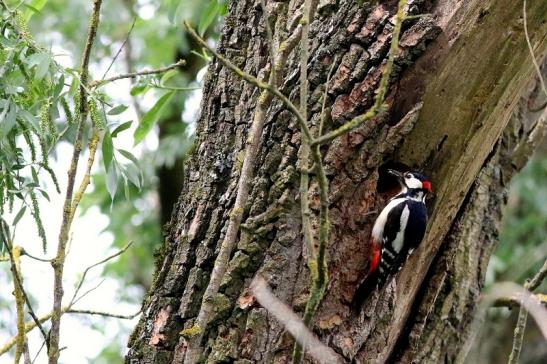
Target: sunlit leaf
117, 110
151, 117
43, 66
167, 76
19, 215
112, 181
44, 193
138, 89
208, 16
108, 150
133, 175
129, 156
121, 127
7, 120
33, 7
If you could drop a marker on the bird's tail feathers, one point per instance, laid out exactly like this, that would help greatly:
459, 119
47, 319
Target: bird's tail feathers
369, 284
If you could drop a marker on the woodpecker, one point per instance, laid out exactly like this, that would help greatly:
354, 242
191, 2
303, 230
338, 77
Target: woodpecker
397, 231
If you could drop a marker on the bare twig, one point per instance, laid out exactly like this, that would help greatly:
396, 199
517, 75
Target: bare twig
110, 257
293, 324
323, 117
38, 352
69, 308
496, 292
27, 254
514, 301
175, 65
58, 263
518, 336
88, 291
103, 313
120, 49
5, 237
29, 326
537, 279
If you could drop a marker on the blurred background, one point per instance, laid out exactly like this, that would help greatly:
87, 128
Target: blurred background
151, 35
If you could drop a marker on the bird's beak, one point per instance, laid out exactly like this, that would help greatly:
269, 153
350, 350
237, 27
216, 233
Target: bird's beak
395, 173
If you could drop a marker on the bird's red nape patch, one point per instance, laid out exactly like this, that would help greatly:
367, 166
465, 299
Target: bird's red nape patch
375, 259
426, 185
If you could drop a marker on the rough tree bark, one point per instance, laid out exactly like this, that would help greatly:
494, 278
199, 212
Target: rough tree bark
459, 76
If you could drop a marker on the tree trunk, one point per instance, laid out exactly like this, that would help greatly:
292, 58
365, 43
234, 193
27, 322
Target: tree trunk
458, 78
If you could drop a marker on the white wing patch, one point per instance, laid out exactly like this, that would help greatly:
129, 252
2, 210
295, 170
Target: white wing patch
399, 239
378, 229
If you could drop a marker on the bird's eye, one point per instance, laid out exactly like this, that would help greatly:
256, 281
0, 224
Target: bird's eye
408, 176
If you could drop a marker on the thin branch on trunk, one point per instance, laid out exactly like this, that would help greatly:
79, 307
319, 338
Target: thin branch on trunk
59, 262
514, 301
317, 263
293, 324
251, 151
303, 158
377, 108
256, 82
323, 116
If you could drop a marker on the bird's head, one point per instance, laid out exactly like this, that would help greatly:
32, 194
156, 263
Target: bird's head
412, 180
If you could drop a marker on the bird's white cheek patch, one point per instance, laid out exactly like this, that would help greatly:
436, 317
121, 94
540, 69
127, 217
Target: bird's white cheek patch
413, 183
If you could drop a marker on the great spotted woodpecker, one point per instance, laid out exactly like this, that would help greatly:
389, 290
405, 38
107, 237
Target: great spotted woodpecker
398, 230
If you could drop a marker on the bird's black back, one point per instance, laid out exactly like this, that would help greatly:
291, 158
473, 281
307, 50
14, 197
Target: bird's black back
392, 259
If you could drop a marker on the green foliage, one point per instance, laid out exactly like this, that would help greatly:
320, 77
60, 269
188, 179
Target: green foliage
524, 225
31, 86
151, 117
211, 12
